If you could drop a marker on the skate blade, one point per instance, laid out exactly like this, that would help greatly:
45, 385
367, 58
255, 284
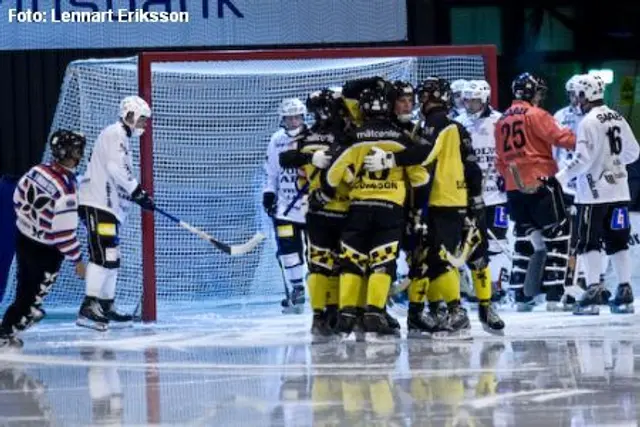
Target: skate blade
623, 309
376, 338
121, 325
90, 324
293, 309
461, 335
592, 310
319, 338
496, 332
418, 334
524, 307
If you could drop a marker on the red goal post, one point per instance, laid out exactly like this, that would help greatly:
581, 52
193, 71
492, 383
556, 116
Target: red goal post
146, 59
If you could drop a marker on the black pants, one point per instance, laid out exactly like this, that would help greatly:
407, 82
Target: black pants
38, 267
445, 229
324, 230
538, 211
606, 223
102, 236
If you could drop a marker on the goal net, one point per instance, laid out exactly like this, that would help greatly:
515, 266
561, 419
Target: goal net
213, 115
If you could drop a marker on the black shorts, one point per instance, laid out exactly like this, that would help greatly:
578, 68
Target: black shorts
540, 210
445, 229
323, 241
289, 237
103, 230
606, 223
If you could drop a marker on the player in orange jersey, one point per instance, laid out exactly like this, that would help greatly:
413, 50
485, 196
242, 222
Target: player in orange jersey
525, 135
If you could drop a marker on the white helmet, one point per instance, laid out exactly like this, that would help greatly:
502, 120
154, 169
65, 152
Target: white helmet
570, 83
457, 86
292, 107
591, 88
138, 107
477, 89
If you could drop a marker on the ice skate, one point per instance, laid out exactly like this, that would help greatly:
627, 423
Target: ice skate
524, 304
321, 332
429, 325
376, 326
347, 318
10, 341
91, 315
489, 319
116, 319
458, 322
622, 303
295, 305
588, 305
392, 322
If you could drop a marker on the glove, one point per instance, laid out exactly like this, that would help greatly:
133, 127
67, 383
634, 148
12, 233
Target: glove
551, 182
378, 160
269, 203
317, 200
415, 224
143, 199
500, 184
321, 159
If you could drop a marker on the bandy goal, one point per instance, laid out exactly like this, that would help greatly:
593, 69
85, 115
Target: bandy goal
202, 157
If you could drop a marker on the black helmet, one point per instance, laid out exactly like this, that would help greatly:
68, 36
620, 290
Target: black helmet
434, 89
323, 104
401, 88
526, 86
374, 102
67, 144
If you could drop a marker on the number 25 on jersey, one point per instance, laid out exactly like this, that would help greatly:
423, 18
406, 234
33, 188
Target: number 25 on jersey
512, 136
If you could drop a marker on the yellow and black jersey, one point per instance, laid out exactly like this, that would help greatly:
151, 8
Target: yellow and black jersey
385, 186
299, 155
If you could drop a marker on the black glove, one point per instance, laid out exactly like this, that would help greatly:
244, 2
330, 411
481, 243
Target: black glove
551, 182
269, 203
500, 184
415, 223
143, 199
476, 207
317, 200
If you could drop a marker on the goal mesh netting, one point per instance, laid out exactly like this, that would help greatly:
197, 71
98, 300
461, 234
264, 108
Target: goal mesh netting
211, 122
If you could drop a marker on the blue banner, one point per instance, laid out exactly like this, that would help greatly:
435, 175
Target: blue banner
68, 24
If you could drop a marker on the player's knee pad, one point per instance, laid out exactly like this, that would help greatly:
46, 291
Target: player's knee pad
523, 250
289, 239
479, 259
103, 244
291, 260
382, 258
352, 260
322, 260
557, 241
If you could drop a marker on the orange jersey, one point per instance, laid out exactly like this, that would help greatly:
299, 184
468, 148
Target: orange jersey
524, 138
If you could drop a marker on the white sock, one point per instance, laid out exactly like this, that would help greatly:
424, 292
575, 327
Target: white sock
593, 267
95, 278
622, 264
109, 286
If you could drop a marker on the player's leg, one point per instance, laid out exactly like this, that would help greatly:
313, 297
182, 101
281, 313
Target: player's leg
444, 278
385, 241
37, 270
289, 239
323, 235
354, 249
499, 251
102, 270
590, 234
617, 230
550, 216
479, 264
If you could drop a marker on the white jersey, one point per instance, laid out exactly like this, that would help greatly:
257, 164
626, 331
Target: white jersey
605, 144
568, 117
481, 128
283, 181
46, 205
109, 180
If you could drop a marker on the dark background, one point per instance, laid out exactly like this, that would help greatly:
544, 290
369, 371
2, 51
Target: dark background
554, 38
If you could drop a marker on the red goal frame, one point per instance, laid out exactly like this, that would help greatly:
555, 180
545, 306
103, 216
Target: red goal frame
145, 59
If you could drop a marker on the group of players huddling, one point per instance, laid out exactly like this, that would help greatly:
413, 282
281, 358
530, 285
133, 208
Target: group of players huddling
366, 181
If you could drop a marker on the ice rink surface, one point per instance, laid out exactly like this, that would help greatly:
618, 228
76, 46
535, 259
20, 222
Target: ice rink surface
256, 367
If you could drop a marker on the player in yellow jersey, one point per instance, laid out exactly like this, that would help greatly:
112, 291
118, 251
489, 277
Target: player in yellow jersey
375, 222
311, 152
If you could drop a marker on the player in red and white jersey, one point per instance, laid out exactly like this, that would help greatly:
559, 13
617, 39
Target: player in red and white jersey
606, 144
525, 136
46, 206
107, 191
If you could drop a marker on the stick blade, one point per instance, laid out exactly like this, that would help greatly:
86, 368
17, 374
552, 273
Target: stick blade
248, 246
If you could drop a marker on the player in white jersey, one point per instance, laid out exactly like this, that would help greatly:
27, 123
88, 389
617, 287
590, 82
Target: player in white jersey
106, 192
457, 87
605, 145
487, 263
46, 202
281, 202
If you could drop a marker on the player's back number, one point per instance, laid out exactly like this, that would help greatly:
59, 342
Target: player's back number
615, 142
512, 135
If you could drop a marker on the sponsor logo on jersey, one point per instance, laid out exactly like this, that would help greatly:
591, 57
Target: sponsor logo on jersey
620, 219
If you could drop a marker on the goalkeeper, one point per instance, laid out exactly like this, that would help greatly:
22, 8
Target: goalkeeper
374, 225
456, 193
310, 151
